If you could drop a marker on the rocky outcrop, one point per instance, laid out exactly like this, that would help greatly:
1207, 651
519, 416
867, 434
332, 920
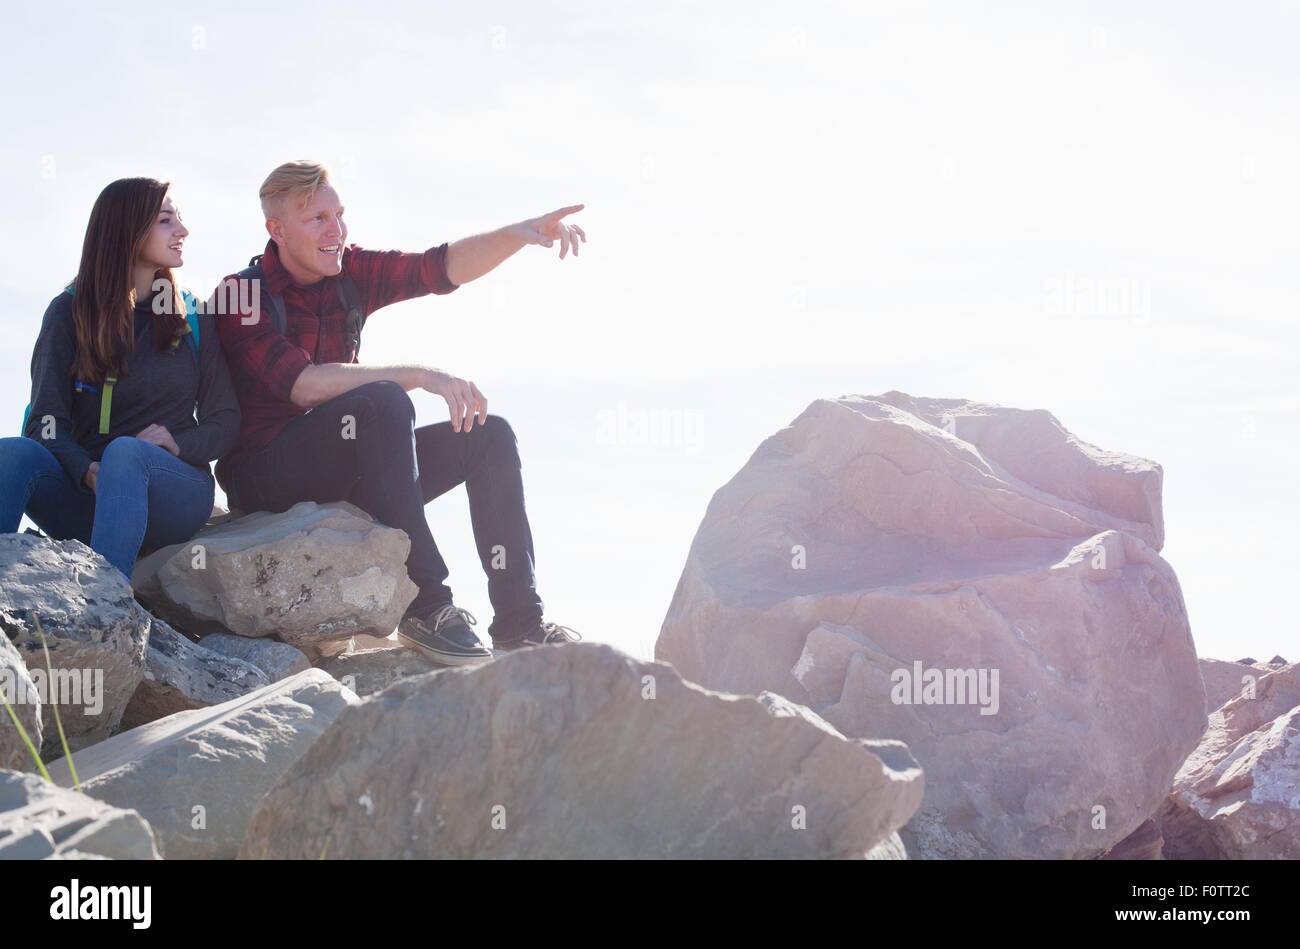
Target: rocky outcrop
973, 580
181, 675
368, 671
1237, 796
1145, 843
580, 751
314, 575
39, 820
95, 630
278, 660
196, 776
1225, 681
19, 691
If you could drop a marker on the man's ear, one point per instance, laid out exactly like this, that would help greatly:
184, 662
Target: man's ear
276, 230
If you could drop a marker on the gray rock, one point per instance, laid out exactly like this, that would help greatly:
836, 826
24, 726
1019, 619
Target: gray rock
278, 660
181, 675
578, 751
20, 692
95, 630
196, 776
314, 575
372, 670
39, 820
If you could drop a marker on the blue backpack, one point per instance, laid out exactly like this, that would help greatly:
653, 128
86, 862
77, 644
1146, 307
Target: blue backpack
106, 399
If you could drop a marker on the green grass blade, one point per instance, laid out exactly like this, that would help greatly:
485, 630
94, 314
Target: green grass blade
63, 739
22, 733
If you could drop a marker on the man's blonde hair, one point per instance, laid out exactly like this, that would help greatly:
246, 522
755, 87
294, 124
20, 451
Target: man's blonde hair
293, 179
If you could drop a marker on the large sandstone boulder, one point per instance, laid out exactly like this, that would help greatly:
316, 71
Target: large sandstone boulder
18, 690
1237, 796
972, 580
580, 751
181, 675
278, 660
196, 776
95, 630
314, 575
39, 820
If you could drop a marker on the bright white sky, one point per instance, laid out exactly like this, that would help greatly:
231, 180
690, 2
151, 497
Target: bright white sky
782, 204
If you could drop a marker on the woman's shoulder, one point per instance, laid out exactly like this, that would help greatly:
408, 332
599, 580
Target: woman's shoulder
59, 312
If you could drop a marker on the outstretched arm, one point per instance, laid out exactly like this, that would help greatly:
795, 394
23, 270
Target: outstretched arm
471, 257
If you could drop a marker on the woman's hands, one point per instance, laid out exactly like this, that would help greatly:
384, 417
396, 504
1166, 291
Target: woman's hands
158, 435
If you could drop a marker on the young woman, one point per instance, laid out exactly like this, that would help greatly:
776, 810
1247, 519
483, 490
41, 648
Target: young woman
111, 452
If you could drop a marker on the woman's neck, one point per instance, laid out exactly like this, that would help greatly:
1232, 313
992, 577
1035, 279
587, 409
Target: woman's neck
142, 276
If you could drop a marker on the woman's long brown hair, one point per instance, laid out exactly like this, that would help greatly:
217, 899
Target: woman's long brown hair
103, 303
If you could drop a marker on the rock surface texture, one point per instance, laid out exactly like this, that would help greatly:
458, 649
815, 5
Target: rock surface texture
1237, 796
196, 776
19, 690
315, 576
95, 630
39, 820
181, 675
580, 751
973, 580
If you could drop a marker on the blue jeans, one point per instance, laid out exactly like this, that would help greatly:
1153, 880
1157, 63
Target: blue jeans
145, 497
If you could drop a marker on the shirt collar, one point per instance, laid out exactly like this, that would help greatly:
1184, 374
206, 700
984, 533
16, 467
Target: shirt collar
277, 278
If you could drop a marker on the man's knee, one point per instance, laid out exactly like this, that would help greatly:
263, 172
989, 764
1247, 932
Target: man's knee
500, 438
386, 399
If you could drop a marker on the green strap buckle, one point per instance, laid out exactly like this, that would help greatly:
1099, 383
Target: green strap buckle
106, 404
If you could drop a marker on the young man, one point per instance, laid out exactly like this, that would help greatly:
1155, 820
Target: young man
317, 426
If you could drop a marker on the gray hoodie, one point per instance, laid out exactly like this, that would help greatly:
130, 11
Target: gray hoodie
156, 388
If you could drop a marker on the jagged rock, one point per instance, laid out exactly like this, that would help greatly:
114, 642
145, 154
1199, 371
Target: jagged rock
181, 675
876, 533
1277, 661
1226, 680
579, 751
372, 670
20, 692
39, 820
314, 575
278, 660
196, 776
95, 630
1145, 843
1237, 796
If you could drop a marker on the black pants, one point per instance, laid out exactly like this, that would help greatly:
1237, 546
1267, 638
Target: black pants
363, 447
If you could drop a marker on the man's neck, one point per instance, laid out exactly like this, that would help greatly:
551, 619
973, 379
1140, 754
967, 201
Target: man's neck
300, 277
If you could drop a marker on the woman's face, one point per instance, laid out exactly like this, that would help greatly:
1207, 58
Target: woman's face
166, 238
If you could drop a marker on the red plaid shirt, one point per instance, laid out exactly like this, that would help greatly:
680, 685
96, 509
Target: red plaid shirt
265, 364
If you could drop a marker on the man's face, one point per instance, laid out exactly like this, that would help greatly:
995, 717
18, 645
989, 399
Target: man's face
311, 236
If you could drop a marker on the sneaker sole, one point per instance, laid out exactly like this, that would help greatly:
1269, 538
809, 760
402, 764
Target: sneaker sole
443, 658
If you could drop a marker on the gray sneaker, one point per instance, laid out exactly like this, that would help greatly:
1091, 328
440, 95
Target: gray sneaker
543, 634
444, 635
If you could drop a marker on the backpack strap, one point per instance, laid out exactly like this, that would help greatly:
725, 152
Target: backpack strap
344, 286
350, 297
254, 272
